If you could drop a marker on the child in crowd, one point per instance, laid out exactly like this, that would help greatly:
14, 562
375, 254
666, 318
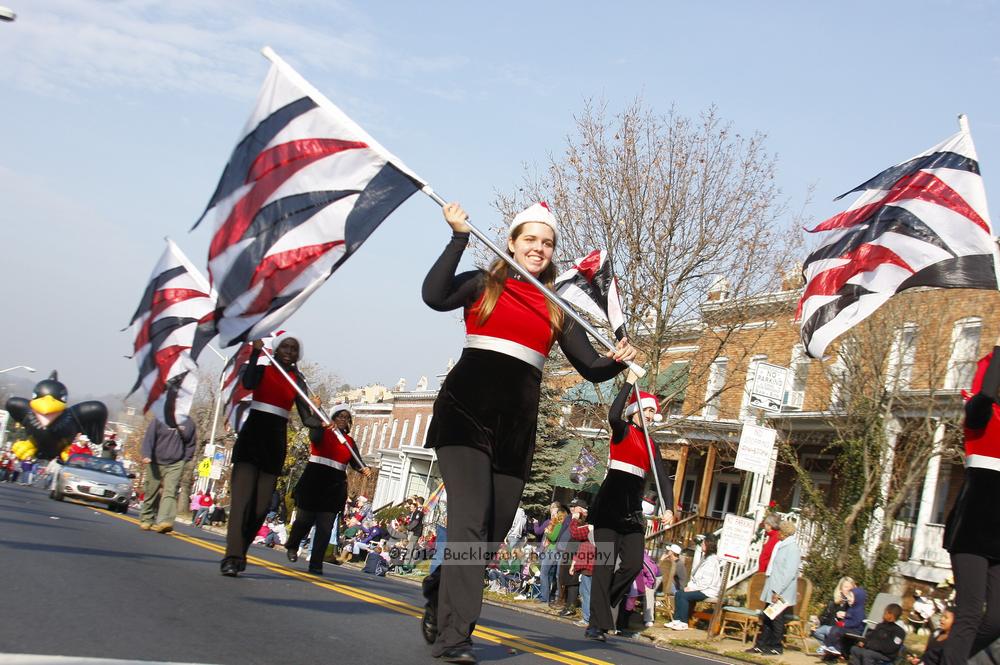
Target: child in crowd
935, 643
882, 643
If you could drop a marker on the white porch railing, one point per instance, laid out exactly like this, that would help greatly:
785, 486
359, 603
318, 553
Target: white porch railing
934, 552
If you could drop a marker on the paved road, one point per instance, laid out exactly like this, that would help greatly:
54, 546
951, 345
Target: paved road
81, 581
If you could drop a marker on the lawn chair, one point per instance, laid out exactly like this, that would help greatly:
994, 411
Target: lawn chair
795, 626
745, 620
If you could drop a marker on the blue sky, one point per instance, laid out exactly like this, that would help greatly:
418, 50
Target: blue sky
118, 117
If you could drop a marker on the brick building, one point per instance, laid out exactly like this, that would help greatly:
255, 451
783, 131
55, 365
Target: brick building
932, 340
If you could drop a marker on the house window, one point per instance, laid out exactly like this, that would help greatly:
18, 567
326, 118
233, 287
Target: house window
671, 386
402, 435
725, 496
392, 432
713, 393
795, 396
745, 413
902, 355
838, 377
964, 353
416, 428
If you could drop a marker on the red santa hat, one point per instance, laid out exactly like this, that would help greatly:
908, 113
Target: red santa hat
648, 400
538, 212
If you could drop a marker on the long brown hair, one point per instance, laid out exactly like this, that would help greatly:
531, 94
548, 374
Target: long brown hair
496, 277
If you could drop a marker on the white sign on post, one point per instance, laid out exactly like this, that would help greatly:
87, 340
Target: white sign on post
756, 445
209, 449
216, 472
737, 534
768, 386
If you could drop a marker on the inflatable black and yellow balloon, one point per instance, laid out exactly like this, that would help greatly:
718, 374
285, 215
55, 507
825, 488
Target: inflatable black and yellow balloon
51, 424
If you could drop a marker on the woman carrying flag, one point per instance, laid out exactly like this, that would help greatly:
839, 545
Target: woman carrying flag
485, 416
259, 453
617, 517
321, 493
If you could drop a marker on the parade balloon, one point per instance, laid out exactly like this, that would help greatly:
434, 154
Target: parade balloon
51, 424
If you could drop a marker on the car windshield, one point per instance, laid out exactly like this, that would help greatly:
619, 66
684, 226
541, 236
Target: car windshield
97, 464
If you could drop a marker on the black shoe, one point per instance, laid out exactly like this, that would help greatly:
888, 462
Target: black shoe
628, 634
459, 655
292, 554
753, 649
429, 625
772, 652
229, 567
595, 634
568, 612
316, 570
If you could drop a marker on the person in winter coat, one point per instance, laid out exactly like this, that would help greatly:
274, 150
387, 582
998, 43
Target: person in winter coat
704, 584
781, 586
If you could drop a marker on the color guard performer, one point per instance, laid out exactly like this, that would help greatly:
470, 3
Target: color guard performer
321, 493
485, 416
972, 531
259, 453
619, 525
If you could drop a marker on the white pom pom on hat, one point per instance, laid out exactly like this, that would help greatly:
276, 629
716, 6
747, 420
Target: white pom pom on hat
537, 212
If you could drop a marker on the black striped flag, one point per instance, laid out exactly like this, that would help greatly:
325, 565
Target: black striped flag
923, 222
589, 285
176, 300
304, 187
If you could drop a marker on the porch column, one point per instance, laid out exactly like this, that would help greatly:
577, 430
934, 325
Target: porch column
706, 480
877, 526
682, 463
927, 497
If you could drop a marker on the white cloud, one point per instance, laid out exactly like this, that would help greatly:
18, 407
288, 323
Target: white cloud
61, 48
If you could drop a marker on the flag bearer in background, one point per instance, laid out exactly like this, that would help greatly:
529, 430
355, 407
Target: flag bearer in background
619, 524
321, 492
259, 453
485, 416
972, 531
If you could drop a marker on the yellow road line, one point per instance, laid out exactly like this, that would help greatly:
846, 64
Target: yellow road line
489, 634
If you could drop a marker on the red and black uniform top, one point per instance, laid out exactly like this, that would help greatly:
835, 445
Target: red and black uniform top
973, 526
618, 504
326, 448
263, 438
323, 485
272, 393
489, 401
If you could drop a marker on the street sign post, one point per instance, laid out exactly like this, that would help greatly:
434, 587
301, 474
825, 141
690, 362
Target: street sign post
754, 451
768, 386
737, 534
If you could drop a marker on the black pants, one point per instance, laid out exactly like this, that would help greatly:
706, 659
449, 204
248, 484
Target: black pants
611, 586
772, 631
481, 507
977, 584
304, 520
251, 491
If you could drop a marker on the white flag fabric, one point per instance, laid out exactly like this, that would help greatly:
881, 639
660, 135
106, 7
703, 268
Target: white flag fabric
176, 300
923, 222
304, 187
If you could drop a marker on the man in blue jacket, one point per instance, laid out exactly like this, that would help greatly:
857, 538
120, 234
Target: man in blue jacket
780, 587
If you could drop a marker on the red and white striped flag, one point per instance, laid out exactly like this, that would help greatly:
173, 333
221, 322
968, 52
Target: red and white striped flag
304, 187
176, 300
237, 398
590, 286
923, 222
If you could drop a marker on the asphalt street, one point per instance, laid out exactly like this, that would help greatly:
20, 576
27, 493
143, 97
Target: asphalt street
81, 581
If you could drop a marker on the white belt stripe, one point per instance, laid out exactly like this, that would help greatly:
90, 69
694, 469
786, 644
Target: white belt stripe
507, 347
628, 468
982, 462
269, 408
326, 461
